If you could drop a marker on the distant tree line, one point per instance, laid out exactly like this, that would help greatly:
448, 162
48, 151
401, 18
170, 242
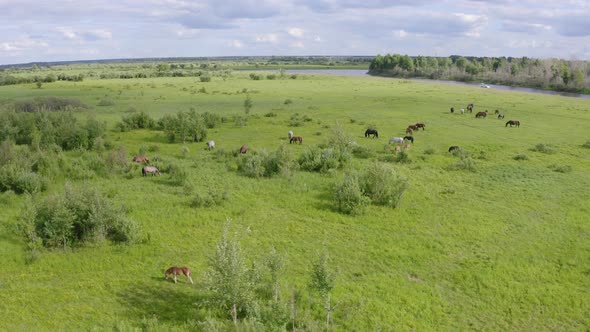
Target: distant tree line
553, 74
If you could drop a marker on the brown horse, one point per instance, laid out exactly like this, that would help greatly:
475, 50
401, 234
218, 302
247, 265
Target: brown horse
512, 123
413, 127
151, 170
470, 108
454, 148
409, 131
296, 139
174, 271
243, 149
141, 159
420, 125
481, 114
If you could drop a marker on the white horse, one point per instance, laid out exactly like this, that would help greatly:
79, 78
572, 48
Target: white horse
398, 140
290, 134
462, 111
210, 145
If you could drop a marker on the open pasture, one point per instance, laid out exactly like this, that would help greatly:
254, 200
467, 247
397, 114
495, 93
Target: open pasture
494, 243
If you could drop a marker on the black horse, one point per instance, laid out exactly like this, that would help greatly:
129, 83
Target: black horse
409, 138
512, 123
454, 148
452, 110
372, 132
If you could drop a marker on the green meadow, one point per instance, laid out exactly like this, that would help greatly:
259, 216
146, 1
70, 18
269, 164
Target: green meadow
500, 243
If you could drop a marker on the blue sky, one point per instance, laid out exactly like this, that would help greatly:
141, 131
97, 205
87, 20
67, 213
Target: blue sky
40, 30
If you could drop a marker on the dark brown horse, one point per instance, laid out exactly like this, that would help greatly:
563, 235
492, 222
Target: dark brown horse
296, 139
151, 170
512, 123
481, 114
413, 127
174, 271
454, 148
141, 159
470, 108
409, 131
420, 125
243, 149
373, 132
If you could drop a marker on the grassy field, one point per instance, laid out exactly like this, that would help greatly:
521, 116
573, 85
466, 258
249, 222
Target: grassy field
505, 246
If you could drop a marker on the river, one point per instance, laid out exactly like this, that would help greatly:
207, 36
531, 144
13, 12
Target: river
363, 73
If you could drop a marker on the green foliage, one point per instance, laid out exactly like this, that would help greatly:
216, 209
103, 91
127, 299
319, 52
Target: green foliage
106, 102
77, 216
349, 196
264, 164
383, 185
561, 168
229, 278
184, 126
213, 197
429, 151
586, 145
50, 104
178, 175
316, 159
521, 156
248, 104
288, 102
543, 148
322, 278
465, 163
136, 120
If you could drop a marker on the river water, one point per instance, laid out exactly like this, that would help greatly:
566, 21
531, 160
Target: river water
363, 73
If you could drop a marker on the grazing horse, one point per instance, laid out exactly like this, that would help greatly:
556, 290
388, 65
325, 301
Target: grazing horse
470, 108
452, 110
174, 271
481, 114
151, 170
420, 125
290, 134
296, 139
409, 131
454, 148
512, 123
496, 112
210, 145
243, 149
462, 111
373, 132
500, 116
141, 159
398, 140
413, 127
409, 138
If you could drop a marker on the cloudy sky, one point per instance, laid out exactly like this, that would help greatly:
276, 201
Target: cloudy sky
42, 30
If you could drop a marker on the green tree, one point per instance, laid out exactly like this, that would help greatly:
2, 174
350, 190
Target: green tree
248, 104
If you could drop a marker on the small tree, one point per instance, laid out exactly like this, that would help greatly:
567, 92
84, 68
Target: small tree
229, 278
322, 281
39, 85
247, 104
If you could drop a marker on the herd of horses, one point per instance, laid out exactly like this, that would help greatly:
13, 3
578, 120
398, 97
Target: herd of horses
484, 114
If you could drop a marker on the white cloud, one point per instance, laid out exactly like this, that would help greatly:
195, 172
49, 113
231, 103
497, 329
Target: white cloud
296, 32
236, 44
297, 44
85, 35
400, 34
22, 45
267, 38
317, 39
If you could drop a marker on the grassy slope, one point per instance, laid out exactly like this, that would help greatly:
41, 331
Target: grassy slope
503, 248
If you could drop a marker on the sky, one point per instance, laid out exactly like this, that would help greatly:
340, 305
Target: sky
62, 30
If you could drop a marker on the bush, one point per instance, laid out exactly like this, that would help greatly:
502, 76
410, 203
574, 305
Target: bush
362, 152
429, 151
106, 102
178, 175
77, 216
212, 198
465, 163
205, 78
561, 168
136, 120
288, 102
521, 156
543, 148
270, 114
402, 157
586, 145
383, 185
21, 180
264, 164
315, 159
349, 196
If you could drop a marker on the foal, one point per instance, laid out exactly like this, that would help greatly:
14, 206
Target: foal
179, 271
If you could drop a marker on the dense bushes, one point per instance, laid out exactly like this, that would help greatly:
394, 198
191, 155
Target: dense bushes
184, 126
40, 104
77, 216
379, 184
44, 129
264, 164
317, 159
136, 120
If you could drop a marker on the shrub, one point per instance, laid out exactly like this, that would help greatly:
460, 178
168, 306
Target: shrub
136, 120
106, 102
429, 151
383, 185
271, 76
349, 197
521, 156
543, 148
586, 145
402, 157
270, 114
288, 102
21, 180
362, 152
211, 120
178, 175
212, 198
561, 168
465, 163
77, 216
315, 159
205, 78
264, 164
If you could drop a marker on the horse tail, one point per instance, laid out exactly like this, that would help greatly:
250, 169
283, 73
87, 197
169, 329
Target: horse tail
376, 134
143, 171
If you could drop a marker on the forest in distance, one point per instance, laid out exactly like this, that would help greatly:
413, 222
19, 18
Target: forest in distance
549, 74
